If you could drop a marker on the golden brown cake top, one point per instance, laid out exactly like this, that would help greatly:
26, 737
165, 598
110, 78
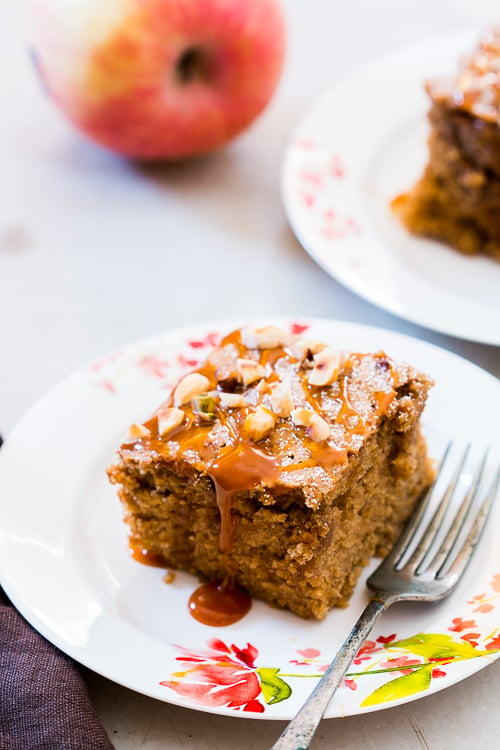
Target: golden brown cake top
268, 409
476, 87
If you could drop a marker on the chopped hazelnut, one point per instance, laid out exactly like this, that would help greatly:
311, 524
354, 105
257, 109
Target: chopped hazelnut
137, 431
301, 416
318, 429
325, 367
269, 337
250, 370
232, 400
305, 349
169, 419
281, 399
259, 423
191, 385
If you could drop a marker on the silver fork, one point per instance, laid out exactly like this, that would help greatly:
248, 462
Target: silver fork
426, 575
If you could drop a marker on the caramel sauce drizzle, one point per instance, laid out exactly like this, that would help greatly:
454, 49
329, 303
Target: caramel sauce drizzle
242, 468
476, 86
241, 465
479, 81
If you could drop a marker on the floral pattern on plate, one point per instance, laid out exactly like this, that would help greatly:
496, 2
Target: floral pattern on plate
229, 676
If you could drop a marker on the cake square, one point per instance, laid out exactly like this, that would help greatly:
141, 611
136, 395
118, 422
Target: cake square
457, 198
280, 464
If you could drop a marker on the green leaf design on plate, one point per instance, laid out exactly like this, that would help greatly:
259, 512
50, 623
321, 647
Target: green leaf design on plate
437, 646
274, 689
409, 684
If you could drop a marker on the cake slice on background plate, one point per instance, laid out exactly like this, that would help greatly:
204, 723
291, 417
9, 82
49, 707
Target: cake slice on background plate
457, 199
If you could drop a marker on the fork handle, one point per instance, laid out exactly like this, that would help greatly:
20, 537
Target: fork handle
299, 732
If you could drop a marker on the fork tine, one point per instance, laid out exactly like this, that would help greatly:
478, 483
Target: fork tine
434, 526
443, 554
400, 547
463, 558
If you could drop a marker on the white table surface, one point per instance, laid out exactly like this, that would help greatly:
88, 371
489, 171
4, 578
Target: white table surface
95, 252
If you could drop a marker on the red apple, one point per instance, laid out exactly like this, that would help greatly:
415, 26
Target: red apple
159, 78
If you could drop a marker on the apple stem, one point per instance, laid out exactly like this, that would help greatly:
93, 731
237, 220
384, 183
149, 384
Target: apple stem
192, 65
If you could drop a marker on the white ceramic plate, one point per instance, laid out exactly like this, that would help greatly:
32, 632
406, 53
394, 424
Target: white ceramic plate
64, 559
358, 147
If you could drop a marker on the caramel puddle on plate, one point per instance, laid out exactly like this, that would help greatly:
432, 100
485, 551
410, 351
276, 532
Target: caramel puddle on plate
217, 605
146, 557
211, 603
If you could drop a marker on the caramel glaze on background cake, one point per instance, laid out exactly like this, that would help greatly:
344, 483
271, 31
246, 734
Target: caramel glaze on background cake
457, 199
476, 88
280, 464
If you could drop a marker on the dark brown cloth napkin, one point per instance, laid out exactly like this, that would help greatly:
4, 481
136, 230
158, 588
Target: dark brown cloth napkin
44, 702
